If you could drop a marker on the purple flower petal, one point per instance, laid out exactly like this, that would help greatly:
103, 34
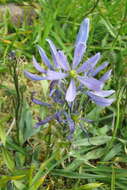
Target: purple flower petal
71, 92
34, 76
91, 83
71, 125
51, 87
84, 67
98, 69
100, 100
57, 96
48, 119
78, 54
54, 53
106, 76
37, 66
53, 75
43, 122
63, 61
58, 117
103, 93
52, 92
83, 32
72, 129
89, 64
40, 102
44, 58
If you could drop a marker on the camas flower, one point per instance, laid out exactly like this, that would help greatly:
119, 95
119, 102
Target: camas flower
76, 73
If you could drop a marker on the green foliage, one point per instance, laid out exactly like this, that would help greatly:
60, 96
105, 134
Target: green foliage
35, 159
26, 129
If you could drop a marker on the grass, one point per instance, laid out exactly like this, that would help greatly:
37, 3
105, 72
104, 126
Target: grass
35, 159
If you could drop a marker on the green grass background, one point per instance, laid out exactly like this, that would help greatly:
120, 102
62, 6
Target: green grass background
37, 159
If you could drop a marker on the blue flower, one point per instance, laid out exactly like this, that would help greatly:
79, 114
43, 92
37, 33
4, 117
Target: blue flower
83, 74
39, 102
55, 116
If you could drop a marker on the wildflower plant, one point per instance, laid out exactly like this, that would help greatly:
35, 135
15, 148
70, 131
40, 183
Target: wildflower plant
68, 82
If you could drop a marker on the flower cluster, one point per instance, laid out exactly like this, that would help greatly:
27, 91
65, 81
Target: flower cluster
69, 77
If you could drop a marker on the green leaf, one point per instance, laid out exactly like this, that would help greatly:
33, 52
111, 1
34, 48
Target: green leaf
26, 129
19, 185
109, 26
2, 134
19, 159
84, 158
90, 186
94, 154
99, 140
113, 179
31, 171
37, 184
113, 152
47, 167
76, 175
8, 159
95, 113
11, 144
5, 179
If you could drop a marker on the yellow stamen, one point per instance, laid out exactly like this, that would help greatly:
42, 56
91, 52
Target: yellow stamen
73, 74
